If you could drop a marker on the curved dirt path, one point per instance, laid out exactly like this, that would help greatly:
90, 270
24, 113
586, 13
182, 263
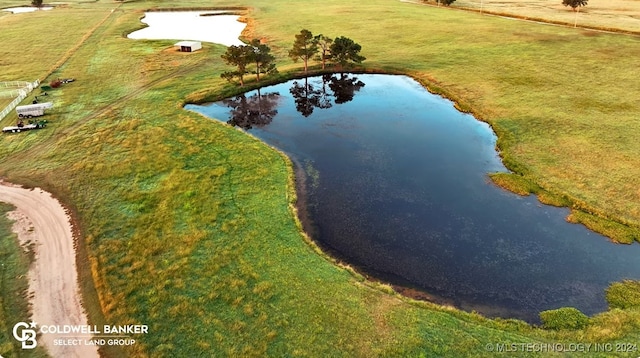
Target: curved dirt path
53, 280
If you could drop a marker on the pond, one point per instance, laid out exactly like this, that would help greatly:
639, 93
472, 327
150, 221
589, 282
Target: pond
395, 183
208, 26
23, 9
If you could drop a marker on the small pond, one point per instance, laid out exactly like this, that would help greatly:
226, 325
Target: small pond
395, 181
23, 9
208, 26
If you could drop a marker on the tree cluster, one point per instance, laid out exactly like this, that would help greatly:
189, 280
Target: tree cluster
341, 50
255, 58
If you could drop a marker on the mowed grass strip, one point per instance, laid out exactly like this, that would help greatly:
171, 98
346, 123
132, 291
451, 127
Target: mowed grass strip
33, 42
188, 223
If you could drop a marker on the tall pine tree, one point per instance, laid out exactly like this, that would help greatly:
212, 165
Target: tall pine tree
263, 59
304, 47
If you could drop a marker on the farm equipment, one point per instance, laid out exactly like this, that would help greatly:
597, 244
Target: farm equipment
25, 127
58, 82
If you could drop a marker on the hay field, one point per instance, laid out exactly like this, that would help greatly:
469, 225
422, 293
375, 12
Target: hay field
611, 14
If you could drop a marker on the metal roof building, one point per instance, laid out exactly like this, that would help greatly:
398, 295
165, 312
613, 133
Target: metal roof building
188, 46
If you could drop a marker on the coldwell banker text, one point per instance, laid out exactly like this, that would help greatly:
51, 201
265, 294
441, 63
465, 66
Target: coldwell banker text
117, 331
106, 335
106, 329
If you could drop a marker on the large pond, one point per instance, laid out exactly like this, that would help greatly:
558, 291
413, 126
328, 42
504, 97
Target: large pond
208, 26
395, 181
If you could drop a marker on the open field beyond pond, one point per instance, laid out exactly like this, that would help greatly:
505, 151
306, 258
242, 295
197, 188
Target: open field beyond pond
186, 225
611, 14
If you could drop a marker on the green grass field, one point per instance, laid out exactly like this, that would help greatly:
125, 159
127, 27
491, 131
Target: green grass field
188, 225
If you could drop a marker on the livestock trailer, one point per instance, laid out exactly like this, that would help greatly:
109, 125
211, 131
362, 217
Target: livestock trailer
33, 110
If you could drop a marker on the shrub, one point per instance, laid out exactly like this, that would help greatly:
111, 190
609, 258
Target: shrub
564, 318
625, 294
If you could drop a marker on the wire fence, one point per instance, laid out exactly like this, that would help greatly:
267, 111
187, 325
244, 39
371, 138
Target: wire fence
22, 93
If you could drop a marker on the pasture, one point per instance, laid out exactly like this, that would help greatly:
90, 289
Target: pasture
189, 226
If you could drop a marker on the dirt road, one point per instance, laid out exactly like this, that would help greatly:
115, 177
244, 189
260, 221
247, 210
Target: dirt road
53, 282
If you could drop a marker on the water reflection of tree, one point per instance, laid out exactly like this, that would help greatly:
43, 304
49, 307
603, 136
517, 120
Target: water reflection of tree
256, 110
341, 88
345, 87
307, 97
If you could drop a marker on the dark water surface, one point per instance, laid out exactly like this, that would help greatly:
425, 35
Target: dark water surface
396, 184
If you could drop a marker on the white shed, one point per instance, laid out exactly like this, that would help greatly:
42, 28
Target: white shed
188, 46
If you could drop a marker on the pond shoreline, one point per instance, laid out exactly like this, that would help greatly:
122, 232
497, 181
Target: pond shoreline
581, 212
303, 217
375, 278
401, 285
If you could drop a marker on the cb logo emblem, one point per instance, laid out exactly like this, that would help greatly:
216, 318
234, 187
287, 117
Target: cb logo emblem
25, 333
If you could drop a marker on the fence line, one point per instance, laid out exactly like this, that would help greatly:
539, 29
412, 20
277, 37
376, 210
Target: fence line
14, 84
10, 93
22, 94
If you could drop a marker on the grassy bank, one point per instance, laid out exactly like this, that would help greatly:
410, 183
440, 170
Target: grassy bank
14, 266
188, 223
